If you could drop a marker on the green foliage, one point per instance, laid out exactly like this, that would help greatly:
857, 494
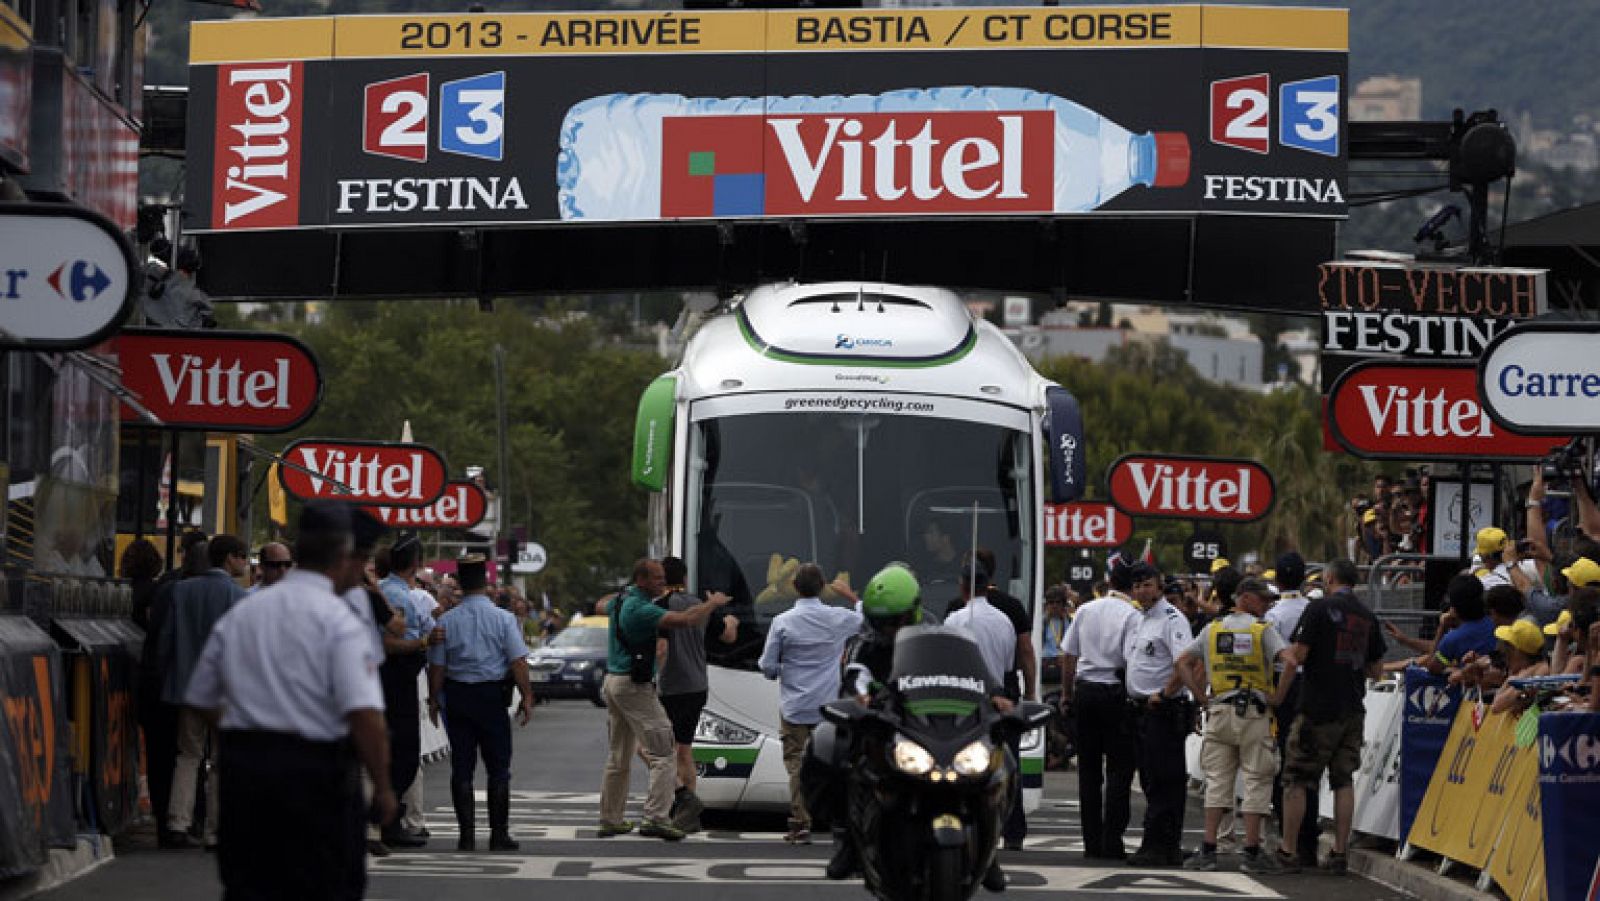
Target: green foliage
570, 398
1146, 398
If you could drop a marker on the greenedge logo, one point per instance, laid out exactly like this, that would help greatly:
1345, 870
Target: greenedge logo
651, 429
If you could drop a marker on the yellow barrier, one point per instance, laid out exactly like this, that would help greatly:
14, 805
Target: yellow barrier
1482, 806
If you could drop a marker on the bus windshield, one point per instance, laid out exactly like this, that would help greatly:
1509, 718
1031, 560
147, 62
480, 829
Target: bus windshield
852, 491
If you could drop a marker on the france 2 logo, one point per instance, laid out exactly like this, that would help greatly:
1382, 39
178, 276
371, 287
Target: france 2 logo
471, 117
1308, 114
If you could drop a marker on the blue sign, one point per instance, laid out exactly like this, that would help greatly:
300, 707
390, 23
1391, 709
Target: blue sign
1308, 115
472, 116
1430, 710
1569, 798
1067, 450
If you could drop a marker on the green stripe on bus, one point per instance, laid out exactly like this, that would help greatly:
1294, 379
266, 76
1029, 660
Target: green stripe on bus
1032, 766
731, 755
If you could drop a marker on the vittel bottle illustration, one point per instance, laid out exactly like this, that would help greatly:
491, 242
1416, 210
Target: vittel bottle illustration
948, 150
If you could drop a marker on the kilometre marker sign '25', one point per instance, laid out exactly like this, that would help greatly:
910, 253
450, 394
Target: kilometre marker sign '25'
1175, 487
461, 506
228, 381
1421, 411
386, 474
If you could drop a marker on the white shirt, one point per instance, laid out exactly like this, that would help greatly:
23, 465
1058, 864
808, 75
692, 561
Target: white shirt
1501, 575
1285, 614
426, 602
992, 630
1158, 636
1098, 637
291, 659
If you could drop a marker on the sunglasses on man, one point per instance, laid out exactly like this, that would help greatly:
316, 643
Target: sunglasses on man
277, 564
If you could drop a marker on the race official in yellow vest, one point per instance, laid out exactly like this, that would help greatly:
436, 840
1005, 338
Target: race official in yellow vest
1231, 664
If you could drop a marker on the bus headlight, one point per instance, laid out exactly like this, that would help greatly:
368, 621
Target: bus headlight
714, 730
912, 758
973, 760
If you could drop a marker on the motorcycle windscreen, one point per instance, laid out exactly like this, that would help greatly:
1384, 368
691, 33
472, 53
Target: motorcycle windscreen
938, 670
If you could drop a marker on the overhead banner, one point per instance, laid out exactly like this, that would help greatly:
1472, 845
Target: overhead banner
1417, 410
35, 779
406, 120
1544, 378
223, 381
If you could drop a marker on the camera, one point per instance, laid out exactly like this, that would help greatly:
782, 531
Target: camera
1564, 465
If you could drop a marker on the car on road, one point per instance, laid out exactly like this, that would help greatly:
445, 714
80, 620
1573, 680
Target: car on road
573, 663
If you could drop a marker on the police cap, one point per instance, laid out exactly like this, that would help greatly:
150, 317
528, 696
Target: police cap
472, 569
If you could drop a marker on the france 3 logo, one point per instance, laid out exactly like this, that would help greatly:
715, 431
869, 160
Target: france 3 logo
1308, 114
471, 117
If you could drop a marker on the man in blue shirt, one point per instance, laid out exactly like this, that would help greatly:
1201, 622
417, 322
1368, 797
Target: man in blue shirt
468, 670
637, 718
803, 649
1475, 630
399, 675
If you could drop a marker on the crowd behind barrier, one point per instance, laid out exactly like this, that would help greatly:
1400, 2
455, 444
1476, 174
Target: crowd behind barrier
1515, 797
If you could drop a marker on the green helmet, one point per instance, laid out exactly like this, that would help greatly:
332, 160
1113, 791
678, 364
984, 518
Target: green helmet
892, 593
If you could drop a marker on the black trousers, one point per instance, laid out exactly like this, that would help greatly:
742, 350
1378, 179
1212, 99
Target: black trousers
403, 718
478, 724
1015, 828
159, 721
1163, 771
293, 824
1105, 759
1306, 843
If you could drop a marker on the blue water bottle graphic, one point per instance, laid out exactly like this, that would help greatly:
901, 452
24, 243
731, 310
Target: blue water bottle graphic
918, 150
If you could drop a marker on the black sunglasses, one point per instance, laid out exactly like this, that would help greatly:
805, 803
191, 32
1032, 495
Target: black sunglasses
277, 564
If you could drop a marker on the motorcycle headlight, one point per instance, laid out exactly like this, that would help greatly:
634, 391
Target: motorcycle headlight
579, 666
912, 758
973, 760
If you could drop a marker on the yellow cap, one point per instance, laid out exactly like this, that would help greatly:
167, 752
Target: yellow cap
1522, 635
1562, 621
1370, 516
1583, 571
1270, 575
1491, 540
1218, 564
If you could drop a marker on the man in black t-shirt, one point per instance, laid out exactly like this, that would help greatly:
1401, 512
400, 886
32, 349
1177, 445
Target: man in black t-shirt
1338, 645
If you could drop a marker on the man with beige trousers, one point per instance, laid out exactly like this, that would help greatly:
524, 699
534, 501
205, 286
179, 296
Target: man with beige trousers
636, 717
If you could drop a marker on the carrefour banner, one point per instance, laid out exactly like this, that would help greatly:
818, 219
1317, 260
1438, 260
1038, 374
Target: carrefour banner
1569, 781
1430, 712
681, 115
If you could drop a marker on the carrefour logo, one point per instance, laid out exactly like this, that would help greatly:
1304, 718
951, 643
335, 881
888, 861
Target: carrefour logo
1428, 700
1579, 753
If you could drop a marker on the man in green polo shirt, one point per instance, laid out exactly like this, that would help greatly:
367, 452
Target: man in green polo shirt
637, 718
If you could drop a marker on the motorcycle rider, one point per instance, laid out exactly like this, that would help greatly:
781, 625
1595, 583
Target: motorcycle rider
890, 601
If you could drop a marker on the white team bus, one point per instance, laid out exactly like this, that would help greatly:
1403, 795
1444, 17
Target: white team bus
852, 425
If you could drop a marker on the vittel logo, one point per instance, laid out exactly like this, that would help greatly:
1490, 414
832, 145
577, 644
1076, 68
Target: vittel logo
402, 475
187, 378
1191, 488
257, 172
930, 161
1385, 409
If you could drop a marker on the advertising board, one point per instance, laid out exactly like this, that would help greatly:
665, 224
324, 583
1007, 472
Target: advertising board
1200, 488
1543, 378
227, 381
377, 473
1086, 524
404, 120
65, 277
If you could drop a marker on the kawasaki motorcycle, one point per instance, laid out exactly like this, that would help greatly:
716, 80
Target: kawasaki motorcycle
927, 773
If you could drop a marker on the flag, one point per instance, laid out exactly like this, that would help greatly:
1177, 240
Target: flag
277, 505
1148, 556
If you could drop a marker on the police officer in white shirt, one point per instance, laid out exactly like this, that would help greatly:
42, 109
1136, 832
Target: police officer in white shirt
1092, 666
292, 677
1163, 717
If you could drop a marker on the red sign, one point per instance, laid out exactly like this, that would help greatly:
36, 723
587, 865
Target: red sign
390, 475
227, 381
1422, 411
1241, 112
911, 162
396, 118
1086, 524
1191, 487
461, 506
256, 173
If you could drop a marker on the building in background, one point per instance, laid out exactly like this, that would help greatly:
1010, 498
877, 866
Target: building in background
1386, 98
1220, 348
